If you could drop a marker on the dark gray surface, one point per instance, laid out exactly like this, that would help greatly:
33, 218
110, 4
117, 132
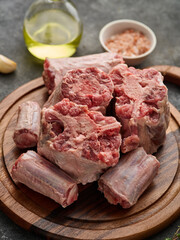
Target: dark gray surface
163, 16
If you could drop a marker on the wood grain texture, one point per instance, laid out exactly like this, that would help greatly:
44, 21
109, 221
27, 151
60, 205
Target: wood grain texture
170, 73
91, 217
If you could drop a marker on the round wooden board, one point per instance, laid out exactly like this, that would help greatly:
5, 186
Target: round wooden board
91, 216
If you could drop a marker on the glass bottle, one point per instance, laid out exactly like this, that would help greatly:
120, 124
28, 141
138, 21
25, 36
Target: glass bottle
52, 28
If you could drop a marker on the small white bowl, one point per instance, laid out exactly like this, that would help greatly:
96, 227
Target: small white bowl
119, 26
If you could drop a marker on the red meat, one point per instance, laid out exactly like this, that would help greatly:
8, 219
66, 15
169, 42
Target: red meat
27, 128
88, 86
125, 182
55, 69
81, 142
141, 106
44, 177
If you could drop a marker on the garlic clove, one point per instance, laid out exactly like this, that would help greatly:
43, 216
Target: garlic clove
6, 65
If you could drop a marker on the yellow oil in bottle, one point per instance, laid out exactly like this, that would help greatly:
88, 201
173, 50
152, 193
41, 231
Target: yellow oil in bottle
52, 33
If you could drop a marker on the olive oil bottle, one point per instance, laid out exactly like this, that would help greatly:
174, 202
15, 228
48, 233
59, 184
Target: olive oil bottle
52, 29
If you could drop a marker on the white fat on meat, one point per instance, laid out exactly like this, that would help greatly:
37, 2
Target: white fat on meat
81, 142
55, 69
141, 106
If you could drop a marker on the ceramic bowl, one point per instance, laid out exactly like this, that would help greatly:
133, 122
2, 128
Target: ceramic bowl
119, 26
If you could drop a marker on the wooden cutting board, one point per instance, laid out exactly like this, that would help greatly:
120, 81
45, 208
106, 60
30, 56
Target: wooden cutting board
91, 216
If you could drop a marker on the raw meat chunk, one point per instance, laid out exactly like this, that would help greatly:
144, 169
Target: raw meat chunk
27, 128
125, 182
88, 86
141, 106
81, 142
44, 177
55, 69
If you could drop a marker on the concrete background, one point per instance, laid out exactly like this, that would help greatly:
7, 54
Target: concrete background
163, 16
